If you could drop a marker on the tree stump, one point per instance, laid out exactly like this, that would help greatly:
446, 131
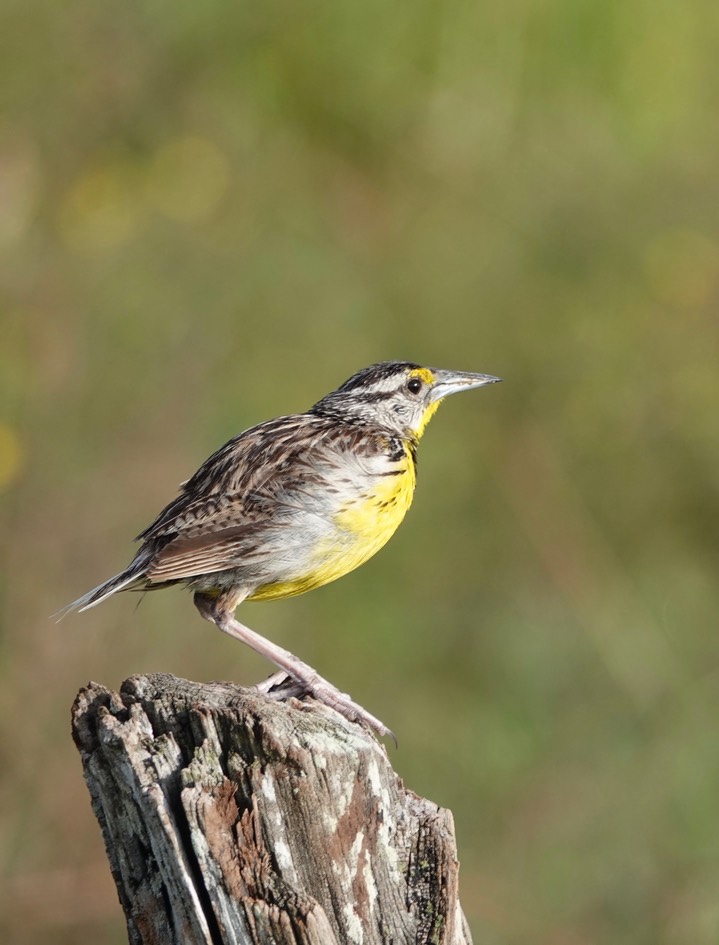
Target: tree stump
230, 817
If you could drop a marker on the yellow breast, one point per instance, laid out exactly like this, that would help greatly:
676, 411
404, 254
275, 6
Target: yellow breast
368, 523
361, 526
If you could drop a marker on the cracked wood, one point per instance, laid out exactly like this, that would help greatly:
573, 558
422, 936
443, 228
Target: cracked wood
232, 819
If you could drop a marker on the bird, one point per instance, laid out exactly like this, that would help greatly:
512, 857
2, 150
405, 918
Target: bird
290, 505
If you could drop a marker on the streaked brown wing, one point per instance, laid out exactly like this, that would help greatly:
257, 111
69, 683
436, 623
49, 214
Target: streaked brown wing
202, 554
236, 480
252, 485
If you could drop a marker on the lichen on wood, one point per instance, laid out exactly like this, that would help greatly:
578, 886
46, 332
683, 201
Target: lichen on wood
230, 817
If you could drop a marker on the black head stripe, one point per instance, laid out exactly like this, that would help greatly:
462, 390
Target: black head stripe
382, 371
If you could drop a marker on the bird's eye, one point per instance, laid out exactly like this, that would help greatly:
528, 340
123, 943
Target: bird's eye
414, 385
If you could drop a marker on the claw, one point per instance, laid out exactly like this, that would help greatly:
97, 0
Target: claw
282, 686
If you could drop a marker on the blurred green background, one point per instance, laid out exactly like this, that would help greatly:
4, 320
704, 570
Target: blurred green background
213, 214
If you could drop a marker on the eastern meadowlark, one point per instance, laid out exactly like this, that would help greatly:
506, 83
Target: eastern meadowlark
292, 504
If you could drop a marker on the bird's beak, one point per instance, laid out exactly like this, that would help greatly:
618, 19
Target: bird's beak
451, 382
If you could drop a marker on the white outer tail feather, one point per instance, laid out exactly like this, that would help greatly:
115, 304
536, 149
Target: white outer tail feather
100, 593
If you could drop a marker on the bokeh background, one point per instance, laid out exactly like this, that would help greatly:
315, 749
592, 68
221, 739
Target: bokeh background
211, 214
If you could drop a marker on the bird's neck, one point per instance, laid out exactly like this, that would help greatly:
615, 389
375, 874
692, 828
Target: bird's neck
424, 420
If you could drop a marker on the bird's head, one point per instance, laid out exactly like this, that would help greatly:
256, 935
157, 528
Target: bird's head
398, 395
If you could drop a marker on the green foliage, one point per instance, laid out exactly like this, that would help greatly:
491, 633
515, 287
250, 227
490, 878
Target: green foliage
213, 214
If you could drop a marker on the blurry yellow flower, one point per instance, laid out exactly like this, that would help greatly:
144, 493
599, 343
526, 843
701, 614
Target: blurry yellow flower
188, 178
102, 210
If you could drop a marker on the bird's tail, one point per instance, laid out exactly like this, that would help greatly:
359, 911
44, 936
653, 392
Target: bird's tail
122, 581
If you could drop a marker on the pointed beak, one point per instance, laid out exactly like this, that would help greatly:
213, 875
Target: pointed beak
451, 382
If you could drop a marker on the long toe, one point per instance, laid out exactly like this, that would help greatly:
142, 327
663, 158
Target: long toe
339, 701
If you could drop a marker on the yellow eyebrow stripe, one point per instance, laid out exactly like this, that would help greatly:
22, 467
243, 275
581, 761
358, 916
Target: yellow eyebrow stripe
424, 374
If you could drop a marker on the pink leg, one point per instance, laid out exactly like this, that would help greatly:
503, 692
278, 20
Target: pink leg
219, 610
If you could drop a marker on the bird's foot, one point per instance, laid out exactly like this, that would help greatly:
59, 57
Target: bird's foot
282, 686
328, 694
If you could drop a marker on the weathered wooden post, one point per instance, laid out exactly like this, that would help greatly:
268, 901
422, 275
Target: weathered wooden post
232, 819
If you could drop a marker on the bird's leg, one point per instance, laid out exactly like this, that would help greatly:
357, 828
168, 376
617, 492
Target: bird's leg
219, 610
